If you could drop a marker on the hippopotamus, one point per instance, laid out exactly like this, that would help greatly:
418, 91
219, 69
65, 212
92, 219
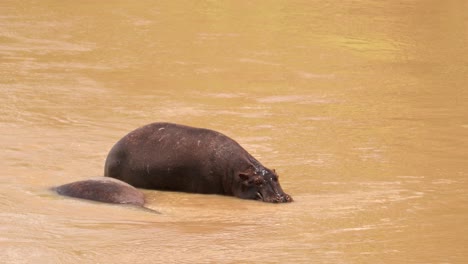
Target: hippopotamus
173, 157
103, 189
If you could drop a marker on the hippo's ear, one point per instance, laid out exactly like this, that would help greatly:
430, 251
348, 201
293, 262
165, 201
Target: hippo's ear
244, 176
247, 174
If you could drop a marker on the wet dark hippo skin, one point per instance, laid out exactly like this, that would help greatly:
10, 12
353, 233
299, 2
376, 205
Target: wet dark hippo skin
103, 189
166, 156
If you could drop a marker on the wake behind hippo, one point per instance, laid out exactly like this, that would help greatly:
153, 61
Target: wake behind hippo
165, 156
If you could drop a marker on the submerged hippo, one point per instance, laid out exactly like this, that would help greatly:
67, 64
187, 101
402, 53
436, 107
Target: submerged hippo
173, 157
103, 189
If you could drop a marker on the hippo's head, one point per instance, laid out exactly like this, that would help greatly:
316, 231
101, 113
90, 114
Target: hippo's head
262, 185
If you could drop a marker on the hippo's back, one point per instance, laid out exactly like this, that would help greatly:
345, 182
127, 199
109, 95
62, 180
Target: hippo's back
172, 157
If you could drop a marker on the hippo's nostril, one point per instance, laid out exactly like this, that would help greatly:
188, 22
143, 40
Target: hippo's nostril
288, 199
283, 199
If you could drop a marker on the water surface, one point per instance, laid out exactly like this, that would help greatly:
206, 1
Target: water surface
360, 106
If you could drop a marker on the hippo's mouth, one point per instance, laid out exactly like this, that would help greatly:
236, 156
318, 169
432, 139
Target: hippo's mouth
258, 196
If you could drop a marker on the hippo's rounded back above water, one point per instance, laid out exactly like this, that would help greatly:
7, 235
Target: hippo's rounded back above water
165, 156
103, 189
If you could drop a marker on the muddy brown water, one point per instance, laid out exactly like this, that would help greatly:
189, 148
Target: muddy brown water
360, 106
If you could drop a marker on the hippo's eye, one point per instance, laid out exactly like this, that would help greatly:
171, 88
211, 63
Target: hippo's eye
258, 182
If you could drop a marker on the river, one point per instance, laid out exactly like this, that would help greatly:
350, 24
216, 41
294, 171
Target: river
360, 106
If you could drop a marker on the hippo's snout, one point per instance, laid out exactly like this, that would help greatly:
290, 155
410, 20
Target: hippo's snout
286, 198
